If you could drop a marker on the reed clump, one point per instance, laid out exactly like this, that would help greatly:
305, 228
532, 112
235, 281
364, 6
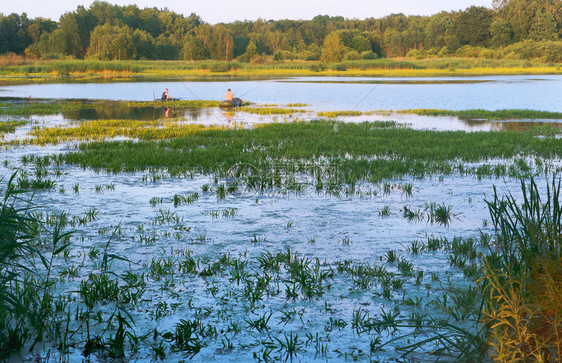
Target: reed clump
523, 276
27, 309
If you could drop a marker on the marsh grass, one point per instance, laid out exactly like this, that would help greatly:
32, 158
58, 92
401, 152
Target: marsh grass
28, 313
486, 114
272, 110
335, 114
108, 129
7, 127
354, 152
412, 324
522, 275
170, 103
41, 107
48, 71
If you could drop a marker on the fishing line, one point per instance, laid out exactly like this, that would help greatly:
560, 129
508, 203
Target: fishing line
375, 87
250, 91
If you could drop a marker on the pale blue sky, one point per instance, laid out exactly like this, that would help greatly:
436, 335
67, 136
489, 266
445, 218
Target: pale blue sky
214, 11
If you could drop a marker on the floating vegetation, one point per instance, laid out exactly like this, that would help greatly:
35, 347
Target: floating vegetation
335, 114
173, 103
263, 157
272, 110
486, 114
297, 105
42, 107
108, 129
7, 127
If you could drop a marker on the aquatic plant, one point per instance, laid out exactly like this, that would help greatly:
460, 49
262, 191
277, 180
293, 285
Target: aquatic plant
289, 345
28, 107
173, 103
522, 275
335, 114
27, 310
272, 110
10, 126
486, 114
358, 149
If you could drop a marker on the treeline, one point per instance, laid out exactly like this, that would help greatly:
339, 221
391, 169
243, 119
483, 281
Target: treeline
513, 29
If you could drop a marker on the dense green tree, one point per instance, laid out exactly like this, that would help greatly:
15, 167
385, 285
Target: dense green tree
107, 13
472, 26
221, 45
251, 50
333, 48
544, 27
143, 45
523, 15
393, 43
360, 43
153, 33
413, 36
111, 42
39, 26
13, 33
438, 26
501, 32
73, 45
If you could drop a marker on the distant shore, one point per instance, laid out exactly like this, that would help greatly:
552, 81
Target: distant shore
49, 71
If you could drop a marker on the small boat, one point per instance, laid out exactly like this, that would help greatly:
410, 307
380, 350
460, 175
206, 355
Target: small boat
234, 103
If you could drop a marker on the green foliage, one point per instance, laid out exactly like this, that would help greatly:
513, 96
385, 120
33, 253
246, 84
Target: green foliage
333, 49
105, 31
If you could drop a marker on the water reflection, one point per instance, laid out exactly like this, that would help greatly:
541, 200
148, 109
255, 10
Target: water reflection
110, 110
117, 111
229, 115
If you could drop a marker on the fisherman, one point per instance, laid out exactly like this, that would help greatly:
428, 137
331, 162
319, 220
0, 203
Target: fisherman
228, 96
165, 95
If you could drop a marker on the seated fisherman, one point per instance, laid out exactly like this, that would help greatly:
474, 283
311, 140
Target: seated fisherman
229, 97
165, 95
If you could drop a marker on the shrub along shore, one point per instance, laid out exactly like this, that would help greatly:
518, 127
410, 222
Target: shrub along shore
40, 71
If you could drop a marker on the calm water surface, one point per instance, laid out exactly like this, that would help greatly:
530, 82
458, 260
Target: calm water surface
334, 93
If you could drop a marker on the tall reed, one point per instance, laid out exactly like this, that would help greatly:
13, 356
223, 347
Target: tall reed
27, 311
523, 276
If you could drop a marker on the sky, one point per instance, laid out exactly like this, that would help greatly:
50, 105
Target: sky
226, 11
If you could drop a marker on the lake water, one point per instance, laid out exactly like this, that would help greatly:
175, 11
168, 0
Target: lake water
356, 229
333, 93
